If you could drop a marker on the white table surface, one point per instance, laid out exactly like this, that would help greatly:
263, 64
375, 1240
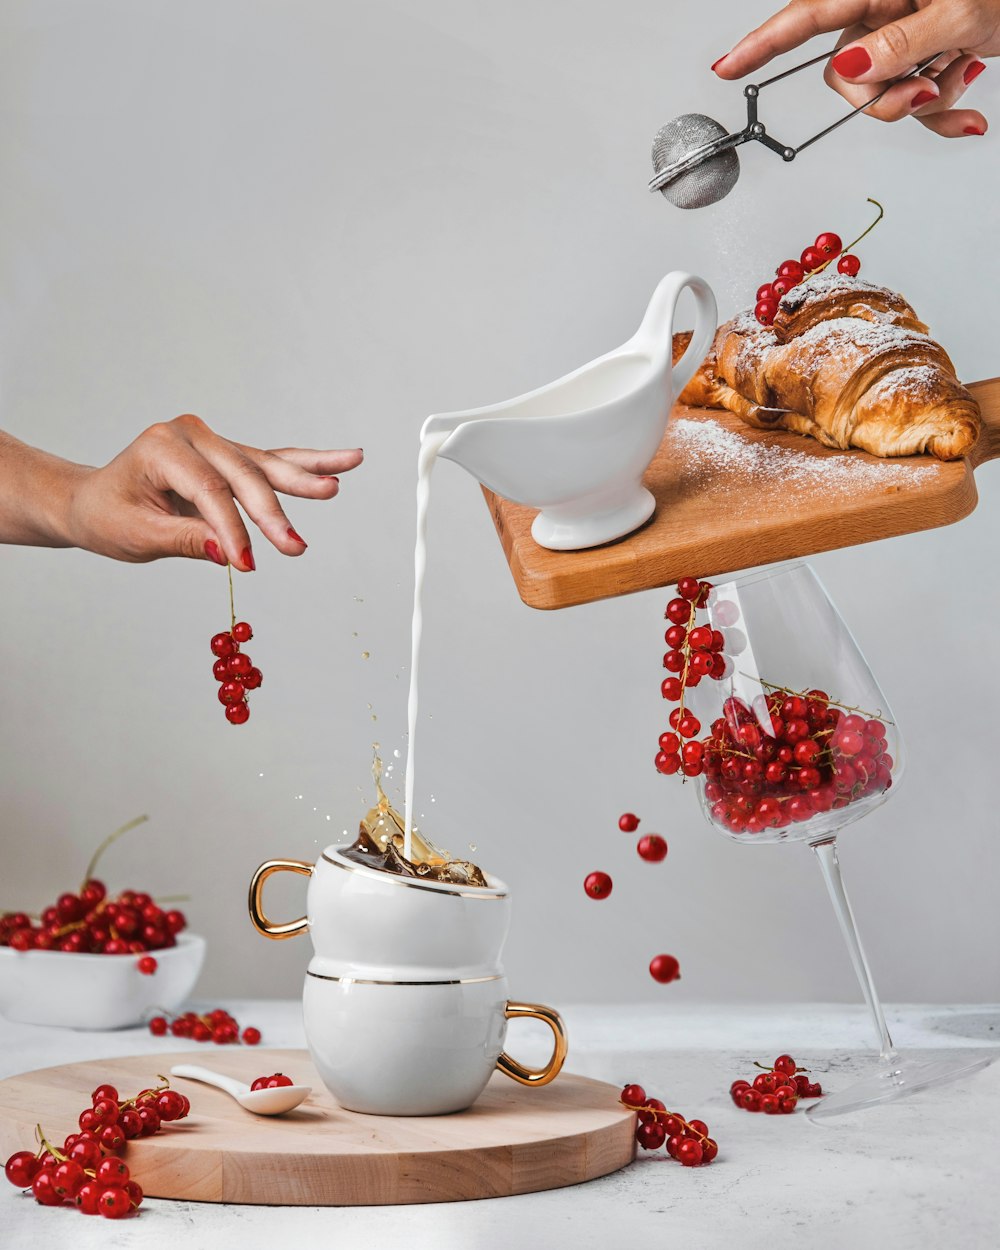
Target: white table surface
923, 1172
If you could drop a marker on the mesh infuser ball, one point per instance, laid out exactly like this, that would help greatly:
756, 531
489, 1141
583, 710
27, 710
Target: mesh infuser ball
707, 182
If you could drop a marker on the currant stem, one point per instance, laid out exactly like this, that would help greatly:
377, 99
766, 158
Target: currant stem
112, 837
47, 1145
232, 606
843, 252
657, 1112
804, 694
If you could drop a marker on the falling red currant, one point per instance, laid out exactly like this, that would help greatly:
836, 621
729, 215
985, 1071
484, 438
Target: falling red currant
652, 848
628, 823
597, 885
664, 968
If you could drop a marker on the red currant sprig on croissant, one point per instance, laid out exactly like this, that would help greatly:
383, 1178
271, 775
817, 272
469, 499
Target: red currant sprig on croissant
814, 259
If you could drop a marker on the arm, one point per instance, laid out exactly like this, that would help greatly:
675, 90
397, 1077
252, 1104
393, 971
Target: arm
172, 492
35, 490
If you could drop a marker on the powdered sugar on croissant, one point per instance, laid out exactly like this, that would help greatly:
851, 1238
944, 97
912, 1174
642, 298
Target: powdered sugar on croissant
846, 362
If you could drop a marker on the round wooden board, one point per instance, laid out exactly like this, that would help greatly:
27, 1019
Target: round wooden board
514, 1140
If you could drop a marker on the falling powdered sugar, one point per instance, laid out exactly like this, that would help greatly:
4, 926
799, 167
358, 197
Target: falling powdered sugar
710, 451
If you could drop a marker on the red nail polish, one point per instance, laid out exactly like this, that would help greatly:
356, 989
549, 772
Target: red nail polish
973, 71
246, 559
213, 552
719, 62
297, 537
852, 62
973, 130
922, 97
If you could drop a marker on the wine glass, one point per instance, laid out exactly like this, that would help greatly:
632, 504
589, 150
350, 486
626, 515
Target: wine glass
802, 743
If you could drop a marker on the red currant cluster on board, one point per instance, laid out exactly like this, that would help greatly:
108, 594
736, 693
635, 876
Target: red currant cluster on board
776, 1090
275, 1081
814, 259
235, 672
695, 652
687, 1141
87, 1171
652, 848
214, 1026
91, 923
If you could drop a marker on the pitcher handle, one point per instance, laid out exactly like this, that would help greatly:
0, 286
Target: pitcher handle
536, 1076
655, 335
260, 921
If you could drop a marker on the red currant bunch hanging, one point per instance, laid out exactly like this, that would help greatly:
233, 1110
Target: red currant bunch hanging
86, 1170
233, 669
687, 1141
695, 652
813, 260
775, 1090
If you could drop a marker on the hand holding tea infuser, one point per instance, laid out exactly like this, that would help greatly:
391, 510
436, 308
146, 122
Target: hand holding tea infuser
172, 492
694, 157
882, 41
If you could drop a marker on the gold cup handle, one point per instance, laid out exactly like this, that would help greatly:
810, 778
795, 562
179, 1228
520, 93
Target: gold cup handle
260, 921
536, 1076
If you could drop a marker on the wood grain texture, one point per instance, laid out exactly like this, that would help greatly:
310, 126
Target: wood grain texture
514, 1140
720, 521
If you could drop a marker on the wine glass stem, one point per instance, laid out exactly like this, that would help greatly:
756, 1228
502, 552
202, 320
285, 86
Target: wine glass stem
826, 853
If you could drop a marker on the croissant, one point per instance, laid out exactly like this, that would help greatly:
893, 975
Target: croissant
846, 362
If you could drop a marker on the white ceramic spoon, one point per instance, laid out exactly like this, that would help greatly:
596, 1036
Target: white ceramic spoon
260, 1101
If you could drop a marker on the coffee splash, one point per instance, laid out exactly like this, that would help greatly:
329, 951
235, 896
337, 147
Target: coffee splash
381, 840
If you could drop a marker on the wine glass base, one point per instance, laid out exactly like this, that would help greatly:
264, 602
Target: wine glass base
898, 1077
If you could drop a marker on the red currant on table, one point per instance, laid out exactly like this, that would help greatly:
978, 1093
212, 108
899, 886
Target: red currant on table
633, 1096
597, 885
22, 1167
664, 968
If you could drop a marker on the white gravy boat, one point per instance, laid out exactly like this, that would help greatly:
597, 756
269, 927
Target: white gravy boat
577, 448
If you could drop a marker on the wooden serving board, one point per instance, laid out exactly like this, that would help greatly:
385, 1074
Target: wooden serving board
779, 497
514, 1140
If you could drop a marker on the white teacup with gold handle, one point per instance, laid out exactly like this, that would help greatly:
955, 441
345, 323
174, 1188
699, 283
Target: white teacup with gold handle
405, 1000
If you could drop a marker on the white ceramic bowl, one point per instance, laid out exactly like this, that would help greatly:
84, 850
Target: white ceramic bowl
78, 991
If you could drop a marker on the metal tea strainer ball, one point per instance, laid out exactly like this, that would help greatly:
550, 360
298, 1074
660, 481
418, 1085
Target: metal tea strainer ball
694, 157
710, 178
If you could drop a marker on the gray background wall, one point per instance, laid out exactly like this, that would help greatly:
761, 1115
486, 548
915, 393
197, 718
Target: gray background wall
317, 223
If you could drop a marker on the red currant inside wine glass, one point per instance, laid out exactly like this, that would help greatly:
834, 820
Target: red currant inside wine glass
801, 742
